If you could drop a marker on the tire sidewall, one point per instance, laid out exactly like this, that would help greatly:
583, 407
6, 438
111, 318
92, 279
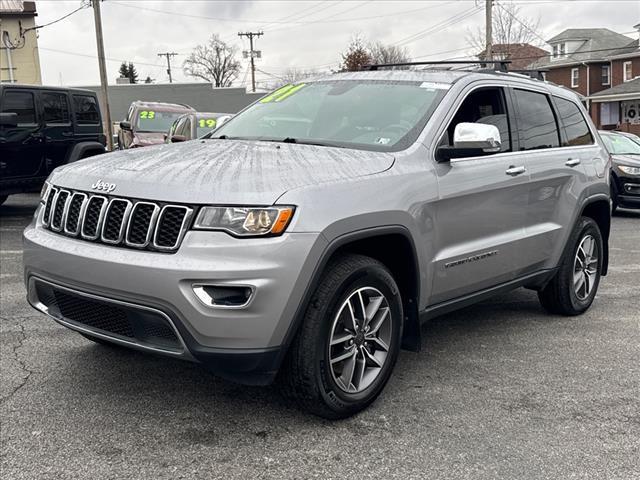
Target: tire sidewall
371, 276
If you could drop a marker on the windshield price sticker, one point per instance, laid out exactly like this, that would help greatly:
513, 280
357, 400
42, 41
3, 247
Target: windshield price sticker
147, 114
435, 86
207, 123
283, 93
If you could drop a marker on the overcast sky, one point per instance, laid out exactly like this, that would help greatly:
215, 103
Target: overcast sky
297, 34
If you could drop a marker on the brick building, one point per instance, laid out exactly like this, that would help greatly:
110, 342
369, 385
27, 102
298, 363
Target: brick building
600, 65
520, 54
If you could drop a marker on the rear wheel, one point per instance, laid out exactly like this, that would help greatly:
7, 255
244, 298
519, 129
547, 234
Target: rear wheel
349, 341
574, 287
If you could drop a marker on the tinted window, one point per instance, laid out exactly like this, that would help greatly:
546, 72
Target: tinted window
574, 123
20, 103
56, 108
153, 120
536, 122
485, 105
86, 109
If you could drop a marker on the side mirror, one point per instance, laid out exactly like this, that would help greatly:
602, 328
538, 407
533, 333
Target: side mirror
471, 140
125, 125
178, 138
8, 119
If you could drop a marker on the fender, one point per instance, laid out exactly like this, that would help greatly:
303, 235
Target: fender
598, 197
412, 336
80, 150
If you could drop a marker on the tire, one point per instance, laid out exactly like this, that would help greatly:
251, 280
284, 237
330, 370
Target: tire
308, 376
572, 290
3, 198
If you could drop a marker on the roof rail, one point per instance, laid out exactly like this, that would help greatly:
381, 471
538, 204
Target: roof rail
537, 74
500, 65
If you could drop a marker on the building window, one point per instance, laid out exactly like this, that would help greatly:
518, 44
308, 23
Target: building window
627, 71
575, 77
606, 75
559, 50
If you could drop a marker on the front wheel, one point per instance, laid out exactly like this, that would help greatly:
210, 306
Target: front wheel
574, 287
349, 341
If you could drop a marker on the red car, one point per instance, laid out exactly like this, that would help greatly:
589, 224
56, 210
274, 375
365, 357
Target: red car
148, 122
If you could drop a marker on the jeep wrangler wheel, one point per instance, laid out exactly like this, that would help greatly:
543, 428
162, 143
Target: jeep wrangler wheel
349, 341
574, 286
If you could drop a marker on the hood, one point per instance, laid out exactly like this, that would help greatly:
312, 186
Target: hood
144, 139
632, 160
219, 171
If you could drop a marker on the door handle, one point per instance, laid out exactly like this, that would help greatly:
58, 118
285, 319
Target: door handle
67, 134
572, 162
513, 170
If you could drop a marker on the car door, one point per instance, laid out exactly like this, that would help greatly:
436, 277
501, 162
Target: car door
59, 136
21, 146
557, 152
481, 203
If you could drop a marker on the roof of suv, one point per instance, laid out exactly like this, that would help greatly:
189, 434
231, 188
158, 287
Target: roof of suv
47, 87
445, 76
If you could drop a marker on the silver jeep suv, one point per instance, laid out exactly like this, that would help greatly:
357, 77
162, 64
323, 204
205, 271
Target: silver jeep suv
309, 237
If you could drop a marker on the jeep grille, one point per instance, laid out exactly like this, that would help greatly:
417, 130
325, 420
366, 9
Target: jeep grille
116, 221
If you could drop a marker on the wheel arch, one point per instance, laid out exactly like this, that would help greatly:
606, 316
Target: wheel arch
372, 242
598, 208
84, 150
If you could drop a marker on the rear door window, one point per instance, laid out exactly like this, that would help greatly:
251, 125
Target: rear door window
575, 126
56, 107
21, 103
86, 109
536, 122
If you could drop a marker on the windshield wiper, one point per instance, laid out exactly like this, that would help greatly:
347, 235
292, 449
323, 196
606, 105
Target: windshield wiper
302, 142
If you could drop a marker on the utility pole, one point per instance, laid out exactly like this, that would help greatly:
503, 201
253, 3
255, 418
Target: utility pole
168, 55
103, 72
252, 54
488, 55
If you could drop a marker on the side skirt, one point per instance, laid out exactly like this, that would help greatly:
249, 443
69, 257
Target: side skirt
534, 280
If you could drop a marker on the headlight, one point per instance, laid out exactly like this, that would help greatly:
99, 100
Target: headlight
629, 170
44, 191
245, 221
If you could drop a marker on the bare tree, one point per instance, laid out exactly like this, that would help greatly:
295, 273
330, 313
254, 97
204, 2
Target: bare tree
381, 53
509, 28
356, 56
214, 62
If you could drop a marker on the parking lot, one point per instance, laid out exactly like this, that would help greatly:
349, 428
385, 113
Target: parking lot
500, 390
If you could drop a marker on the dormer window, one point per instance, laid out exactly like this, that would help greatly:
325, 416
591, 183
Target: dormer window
559, 50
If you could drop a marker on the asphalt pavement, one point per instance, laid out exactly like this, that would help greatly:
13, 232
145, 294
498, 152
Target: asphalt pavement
500, 390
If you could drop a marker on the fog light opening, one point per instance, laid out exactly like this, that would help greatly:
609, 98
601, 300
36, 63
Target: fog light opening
229, 296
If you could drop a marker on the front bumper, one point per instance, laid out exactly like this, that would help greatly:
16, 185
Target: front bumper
244, 344
627, 189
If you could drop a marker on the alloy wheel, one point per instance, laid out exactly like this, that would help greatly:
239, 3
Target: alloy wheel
585, 267
360, 339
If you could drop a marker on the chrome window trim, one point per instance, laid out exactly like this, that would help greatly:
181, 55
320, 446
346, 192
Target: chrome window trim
185, 220
150, 229
38, 305
80, 213
64, 210
100, 218
52, 191
123, 223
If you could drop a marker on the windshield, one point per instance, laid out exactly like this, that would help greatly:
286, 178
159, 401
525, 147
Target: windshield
205, 125
620, 145
370, 115
156, 121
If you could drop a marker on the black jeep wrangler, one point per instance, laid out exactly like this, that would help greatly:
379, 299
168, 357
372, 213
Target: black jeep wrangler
42, 128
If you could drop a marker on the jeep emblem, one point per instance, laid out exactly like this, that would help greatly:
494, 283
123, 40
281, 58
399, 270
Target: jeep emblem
105, 187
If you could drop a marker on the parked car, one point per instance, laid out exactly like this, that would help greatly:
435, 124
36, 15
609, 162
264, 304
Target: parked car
629, 135
147, 123
42, 128
313, 233
625, 169
194, 125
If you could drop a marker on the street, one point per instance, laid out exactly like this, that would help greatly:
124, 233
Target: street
500, 390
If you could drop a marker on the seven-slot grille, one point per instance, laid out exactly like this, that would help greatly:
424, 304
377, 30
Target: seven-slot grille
116, 221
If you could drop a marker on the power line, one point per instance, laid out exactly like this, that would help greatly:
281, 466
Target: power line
438, 26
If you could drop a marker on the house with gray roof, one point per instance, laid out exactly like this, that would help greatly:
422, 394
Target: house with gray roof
594, 62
